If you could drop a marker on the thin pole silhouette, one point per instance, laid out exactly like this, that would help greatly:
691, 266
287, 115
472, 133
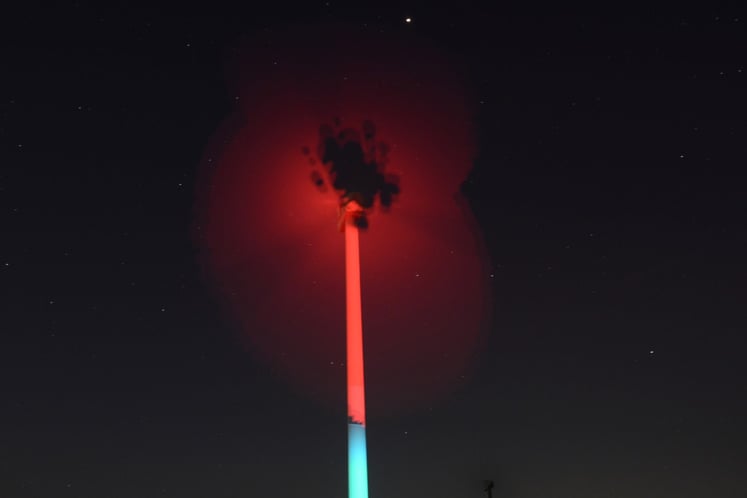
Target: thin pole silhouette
489, 488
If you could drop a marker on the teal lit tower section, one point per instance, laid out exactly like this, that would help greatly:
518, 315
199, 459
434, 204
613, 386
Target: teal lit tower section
357, 461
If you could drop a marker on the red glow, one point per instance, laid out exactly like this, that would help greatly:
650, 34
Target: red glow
270, 239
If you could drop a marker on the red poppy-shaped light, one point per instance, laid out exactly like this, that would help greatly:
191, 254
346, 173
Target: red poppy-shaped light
268, 213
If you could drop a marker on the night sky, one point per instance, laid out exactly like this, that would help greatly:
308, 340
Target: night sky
608, 187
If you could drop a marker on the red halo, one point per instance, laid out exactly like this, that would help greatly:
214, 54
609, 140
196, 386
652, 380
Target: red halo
269, 235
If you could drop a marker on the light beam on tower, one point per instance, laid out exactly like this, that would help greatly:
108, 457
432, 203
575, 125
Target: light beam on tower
357, 458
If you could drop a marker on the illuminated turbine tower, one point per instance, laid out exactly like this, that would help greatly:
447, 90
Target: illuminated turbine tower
356, 172
357, 460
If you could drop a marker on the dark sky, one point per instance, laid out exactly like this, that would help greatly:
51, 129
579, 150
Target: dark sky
609, 188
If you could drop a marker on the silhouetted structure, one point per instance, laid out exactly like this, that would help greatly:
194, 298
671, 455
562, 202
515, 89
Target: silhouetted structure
489, 485
355, 165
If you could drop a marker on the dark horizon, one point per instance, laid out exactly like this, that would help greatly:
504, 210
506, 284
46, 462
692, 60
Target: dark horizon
608, 187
